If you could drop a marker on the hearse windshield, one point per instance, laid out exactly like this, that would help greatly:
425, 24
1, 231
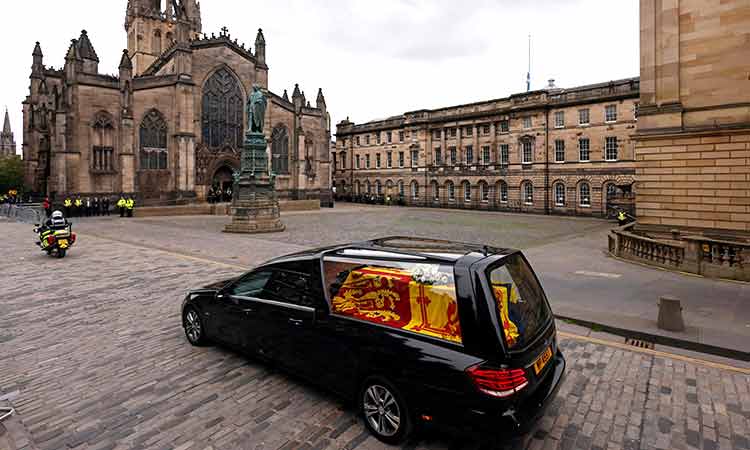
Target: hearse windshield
520, 303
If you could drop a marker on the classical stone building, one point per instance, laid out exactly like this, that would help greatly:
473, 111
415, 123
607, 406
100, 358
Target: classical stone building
171, 123
557, 151
693, 134
7, 141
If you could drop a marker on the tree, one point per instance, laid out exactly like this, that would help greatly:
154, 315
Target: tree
11, 174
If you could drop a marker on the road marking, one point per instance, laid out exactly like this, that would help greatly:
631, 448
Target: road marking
598, 274
660, 354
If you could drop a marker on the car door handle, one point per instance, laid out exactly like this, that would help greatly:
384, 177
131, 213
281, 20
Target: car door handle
248, 310
296, 322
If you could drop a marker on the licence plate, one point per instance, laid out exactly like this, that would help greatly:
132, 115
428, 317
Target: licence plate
63, 243
542, 360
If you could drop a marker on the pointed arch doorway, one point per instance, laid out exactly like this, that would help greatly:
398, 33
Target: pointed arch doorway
222, 181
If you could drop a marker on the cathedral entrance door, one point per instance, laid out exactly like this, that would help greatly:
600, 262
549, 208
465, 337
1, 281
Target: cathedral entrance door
223, 180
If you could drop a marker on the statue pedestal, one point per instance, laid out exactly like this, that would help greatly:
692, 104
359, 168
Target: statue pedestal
255, 207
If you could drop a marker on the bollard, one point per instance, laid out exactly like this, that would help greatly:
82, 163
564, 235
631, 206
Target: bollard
670, 314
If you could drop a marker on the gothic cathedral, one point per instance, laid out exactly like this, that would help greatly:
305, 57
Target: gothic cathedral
171, 124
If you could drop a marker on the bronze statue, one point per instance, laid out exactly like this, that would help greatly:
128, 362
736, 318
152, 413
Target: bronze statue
256, 110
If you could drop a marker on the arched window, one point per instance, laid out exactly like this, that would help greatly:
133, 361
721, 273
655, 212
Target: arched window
451, 191
527, 191
280, 150
414, 190
584, 194
435, 191
156, 43
559, 194
153, 145
467, 191
401, 188
503, 192
484, 191
222, 117
378, 188
102, 155
368, 187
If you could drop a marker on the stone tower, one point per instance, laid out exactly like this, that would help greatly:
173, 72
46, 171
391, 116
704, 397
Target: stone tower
7, 142
152, 29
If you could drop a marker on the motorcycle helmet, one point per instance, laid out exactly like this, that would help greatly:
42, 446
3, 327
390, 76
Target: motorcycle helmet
57, 215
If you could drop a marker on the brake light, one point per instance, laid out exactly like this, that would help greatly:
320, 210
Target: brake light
498, 382
72, 238
50, 240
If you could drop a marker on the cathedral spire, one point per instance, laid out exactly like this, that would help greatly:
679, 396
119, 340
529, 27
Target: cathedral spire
37, 66
320, 102
260, 47
85, 49
6, 123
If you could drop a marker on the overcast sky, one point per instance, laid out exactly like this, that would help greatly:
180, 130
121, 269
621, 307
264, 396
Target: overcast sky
373, 58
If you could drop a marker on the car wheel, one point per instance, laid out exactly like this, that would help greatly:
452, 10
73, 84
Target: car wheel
191, 322
385, 412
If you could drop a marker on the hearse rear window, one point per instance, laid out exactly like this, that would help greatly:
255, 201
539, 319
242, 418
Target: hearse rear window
521, 305
417, 297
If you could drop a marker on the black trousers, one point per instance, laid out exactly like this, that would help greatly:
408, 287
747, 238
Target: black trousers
122, 211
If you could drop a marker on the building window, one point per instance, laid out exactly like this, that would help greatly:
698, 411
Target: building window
504, 127
153, 134
401, 188
486, 129
527, 122
469, 154
503, 192
414, 134
401, 136
583, 116
357, 138
436, 134
610, 149
368, 187
585, 194
484, 190
435, 191
454, 155
438, 156
527, 152
414, 158
223, 111
377, 160
584, 150
389, 159
367, 161
486, 154
504, 154
378, 188
469, 131
559, 150
560, 119
389, 137
357, 161
451, 191
377, 137
559, 194
280, 150
453, 132
610, 113
527, 189
414, 190
342, 160
467, 191
401, 159
367, 140
103, 140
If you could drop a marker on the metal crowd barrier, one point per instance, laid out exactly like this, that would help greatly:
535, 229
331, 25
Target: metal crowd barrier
28, 213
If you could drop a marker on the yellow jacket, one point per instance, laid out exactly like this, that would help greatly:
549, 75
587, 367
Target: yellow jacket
68, 203
129, 203
121, 203
79, 202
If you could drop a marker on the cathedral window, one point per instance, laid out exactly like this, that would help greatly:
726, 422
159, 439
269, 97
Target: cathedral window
222, 117
102, 156
153, 141
156, 43
280, 151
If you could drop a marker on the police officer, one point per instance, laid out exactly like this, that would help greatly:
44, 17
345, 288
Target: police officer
622, 218
78, 206
121, 205
68, 204
105, 205
130, 205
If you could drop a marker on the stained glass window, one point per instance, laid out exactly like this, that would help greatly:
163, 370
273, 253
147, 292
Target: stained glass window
222, 118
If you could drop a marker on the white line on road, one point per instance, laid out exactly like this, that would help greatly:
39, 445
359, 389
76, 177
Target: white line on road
598, 274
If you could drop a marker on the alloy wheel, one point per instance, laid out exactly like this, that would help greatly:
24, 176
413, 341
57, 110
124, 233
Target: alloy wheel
381, 410
193, 326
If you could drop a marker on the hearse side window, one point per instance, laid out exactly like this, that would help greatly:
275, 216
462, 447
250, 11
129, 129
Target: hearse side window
250, 285
414, 296
286, 283
521, 305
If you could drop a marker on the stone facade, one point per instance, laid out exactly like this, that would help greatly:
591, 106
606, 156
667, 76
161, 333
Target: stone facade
693, 134
7, 141
543, 151
170, 124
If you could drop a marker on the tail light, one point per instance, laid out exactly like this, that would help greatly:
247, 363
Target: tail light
50, 240
72, 237
498, 382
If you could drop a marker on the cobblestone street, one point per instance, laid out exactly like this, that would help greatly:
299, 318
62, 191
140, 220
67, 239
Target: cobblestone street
92, 356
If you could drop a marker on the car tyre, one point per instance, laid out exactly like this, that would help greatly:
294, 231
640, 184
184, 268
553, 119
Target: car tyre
384, 411
193, 326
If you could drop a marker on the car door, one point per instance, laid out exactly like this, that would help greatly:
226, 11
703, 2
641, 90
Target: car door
237, 312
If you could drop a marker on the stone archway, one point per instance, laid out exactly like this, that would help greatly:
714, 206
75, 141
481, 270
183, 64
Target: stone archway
222, 182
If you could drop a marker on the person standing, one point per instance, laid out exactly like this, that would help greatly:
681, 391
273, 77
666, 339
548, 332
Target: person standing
67, 204
78, 206
130, 205
105, 206
87, 206
47, 207
95, 205
121, 205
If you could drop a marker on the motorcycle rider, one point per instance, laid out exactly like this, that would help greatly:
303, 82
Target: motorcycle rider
56, 221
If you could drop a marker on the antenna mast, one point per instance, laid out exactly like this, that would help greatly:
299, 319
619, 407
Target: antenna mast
528, 74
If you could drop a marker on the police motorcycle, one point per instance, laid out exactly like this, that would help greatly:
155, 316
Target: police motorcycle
56, 235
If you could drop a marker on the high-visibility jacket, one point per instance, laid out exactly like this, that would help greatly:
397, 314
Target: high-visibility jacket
129, 203
121, 203
79, 203
68, 203
621, 216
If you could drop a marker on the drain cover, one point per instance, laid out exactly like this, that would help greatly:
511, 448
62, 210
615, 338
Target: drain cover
639, 343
